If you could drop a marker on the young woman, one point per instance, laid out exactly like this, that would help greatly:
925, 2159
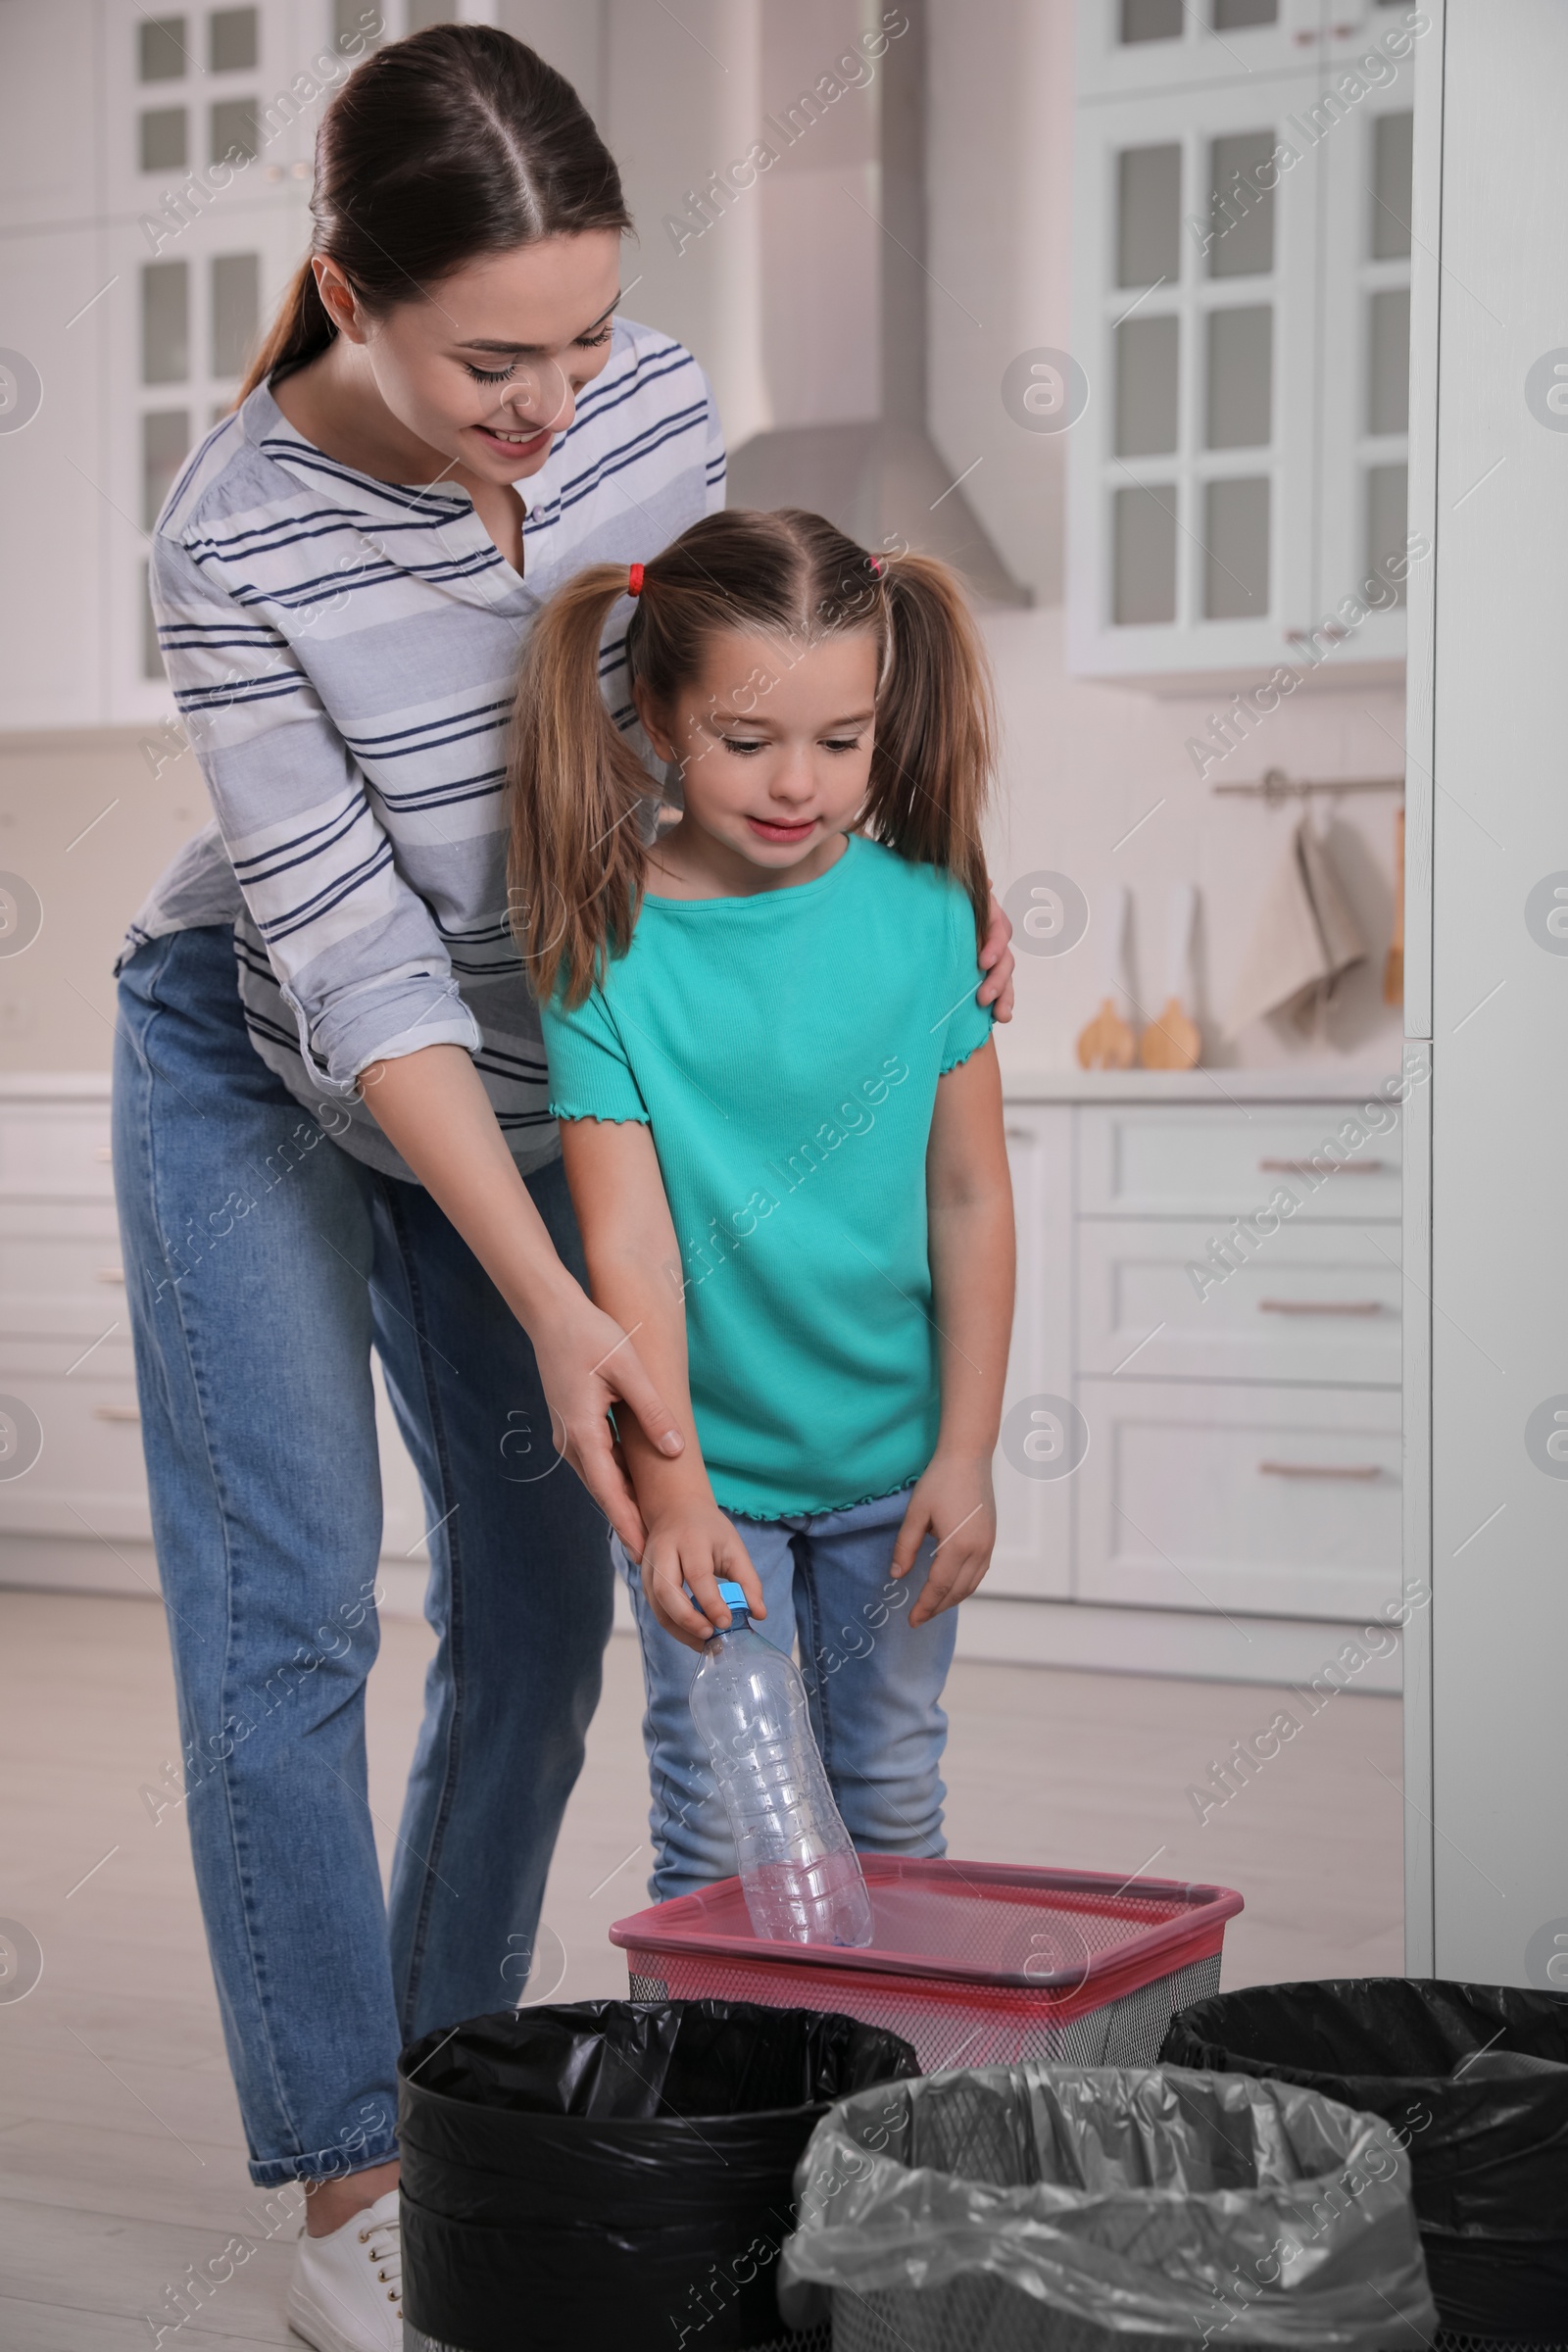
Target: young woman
782, 1121
332, 1114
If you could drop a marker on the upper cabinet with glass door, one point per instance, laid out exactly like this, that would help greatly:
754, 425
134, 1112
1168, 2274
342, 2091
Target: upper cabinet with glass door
212, 117
1129, 45
1241, 308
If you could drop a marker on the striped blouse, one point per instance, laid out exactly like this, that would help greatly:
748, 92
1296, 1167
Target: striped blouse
342, 652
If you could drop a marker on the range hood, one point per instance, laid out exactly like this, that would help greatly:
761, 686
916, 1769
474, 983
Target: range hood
883, 481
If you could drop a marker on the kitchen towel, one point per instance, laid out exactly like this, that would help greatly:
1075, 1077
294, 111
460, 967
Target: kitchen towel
1305, 941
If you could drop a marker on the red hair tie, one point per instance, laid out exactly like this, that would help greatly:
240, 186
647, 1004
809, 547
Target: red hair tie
634, 580
877, 565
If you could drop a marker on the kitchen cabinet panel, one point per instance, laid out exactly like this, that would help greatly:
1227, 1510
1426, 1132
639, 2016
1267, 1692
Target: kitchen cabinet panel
1241, 1499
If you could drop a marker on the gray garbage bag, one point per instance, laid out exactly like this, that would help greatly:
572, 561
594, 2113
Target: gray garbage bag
1083, 2208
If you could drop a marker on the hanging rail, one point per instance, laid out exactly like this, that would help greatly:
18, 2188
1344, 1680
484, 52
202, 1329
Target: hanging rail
1274, 786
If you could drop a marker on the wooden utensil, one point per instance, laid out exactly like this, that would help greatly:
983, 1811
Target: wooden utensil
1107, 1043
1394, 969
1172, 1041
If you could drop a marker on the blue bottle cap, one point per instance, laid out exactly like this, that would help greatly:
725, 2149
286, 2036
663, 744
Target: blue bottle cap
732, 1596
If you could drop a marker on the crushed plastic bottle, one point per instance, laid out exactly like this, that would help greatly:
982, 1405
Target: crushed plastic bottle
800, 1874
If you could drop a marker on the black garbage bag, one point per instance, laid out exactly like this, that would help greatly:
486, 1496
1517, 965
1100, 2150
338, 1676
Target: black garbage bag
1104, 2209
1474, 2080
602, 2176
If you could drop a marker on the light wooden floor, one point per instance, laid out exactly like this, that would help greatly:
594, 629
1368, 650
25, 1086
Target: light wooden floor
122, 2162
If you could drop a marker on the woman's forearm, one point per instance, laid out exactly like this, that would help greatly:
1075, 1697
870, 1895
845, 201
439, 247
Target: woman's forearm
432, 1107
634, 1274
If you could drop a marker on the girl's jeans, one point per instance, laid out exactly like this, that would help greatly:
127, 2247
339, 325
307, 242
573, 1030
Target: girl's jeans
874, 1688
262, 1265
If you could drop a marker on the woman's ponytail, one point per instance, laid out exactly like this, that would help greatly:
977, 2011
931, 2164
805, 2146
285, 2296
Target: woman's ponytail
577, 791
300, 331
936, 730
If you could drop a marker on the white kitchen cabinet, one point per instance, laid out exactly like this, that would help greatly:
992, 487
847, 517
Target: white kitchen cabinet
1241, 287
1307, 1302
140, 270
1032, 1557
1243, 1462
1240, 1497
1226, 1159
78, 1515
1237, 1375
1130, 46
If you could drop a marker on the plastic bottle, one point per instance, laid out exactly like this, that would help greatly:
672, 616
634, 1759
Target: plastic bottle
801, 1875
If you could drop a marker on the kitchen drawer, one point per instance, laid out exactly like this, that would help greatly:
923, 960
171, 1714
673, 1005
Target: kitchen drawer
1309, 1302
88, 1477
1153, 1160
55, 1150
60, 1284
1252, 1501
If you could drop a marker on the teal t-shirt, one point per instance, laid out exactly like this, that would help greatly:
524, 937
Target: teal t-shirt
785, 1050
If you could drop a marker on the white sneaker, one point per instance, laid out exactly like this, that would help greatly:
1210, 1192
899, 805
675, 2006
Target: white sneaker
347, 2294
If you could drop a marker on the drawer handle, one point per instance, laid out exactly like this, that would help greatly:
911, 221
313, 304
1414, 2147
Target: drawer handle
116, 1412
111, 1274
1316, 1167
1320, 1306
1320, 1469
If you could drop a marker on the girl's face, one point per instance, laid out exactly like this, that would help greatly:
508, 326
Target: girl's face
774, 740
486, 367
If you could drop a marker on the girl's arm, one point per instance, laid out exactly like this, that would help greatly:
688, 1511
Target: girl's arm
970, 1206
634, 1272
432, 1107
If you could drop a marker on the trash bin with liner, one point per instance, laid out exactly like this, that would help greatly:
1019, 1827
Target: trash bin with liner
1065, 2209
973, 1962
602, 2176
1474, 2080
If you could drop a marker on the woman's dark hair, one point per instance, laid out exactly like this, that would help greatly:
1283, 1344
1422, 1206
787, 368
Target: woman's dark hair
578, 864
453, 143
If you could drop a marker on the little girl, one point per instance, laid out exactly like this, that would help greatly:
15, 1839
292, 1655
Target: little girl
782, 1121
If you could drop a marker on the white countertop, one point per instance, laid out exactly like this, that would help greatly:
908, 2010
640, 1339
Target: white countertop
1316, 1085
1019, 1085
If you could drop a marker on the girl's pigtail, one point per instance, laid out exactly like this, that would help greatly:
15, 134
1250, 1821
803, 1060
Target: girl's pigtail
578, 787
936, 732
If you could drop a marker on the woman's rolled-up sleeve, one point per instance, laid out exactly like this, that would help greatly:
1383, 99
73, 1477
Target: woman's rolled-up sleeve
357, 952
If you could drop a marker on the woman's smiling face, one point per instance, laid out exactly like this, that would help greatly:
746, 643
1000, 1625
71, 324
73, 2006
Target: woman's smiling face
486, 366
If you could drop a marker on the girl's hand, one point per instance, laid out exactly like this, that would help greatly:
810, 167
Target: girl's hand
694, 1543
587, 1363
997, 962
953, 1501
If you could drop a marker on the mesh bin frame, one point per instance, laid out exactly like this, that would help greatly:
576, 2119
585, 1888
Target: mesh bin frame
1159, 1948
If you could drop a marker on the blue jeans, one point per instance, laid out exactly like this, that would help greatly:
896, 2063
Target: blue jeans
874, 1688
263, 1264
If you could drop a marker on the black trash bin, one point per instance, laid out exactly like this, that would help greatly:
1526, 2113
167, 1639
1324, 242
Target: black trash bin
1104, 2209
602, 2176
1474, 2078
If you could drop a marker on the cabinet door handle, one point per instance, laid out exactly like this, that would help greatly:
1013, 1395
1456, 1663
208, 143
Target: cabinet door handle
1320, 1306
111, 1274
1320, 1469
1333, 1167
116, 1412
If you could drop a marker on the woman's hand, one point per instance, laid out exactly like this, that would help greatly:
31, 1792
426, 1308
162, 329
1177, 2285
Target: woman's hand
693, 1544
997, 962
955, 1503
587, 1364
433, 1107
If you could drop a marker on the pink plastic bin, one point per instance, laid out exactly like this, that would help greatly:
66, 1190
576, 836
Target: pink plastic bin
975, 1963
